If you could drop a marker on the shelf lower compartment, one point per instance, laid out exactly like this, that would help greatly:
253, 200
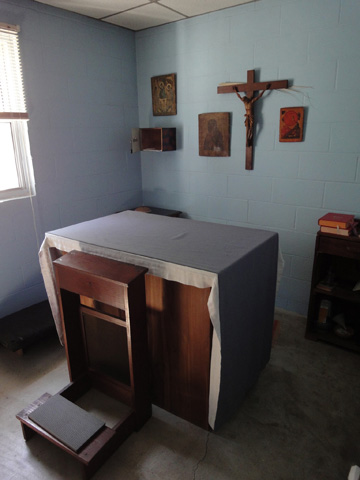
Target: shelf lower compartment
339, 306
329, 336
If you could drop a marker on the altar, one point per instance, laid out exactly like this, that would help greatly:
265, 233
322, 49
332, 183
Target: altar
210, 295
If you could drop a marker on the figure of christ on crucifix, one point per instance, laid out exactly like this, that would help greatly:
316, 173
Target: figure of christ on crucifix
249, 98
249, 112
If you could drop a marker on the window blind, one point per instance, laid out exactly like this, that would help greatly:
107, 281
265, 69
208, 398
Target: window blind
12, 98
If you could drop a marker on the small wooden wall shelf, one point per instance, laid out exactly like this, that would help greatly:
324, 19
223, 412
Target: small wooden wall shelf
104, 319
153, 139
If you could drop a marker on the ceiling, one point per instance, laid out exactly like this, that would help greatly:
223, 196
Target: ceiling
141, 14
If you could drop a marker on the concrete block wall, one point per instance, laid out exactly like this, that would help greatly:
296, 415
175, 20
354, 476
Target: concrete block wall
312, 43
88, 83
80, 84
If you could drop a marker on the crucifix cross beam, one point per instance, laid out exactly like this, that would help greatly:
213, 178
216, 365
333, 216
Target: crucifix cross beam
248, 99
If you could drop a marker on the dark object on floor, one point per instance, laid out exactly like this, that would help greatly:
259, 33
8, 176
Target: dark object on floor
23, 328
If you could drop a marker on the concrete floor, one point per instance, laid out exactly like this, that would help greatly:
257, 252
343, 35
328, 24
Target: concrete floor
300, 422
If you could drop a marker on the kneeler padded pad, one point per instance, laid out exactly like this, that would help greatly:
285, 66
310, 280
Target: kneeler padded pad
67, 422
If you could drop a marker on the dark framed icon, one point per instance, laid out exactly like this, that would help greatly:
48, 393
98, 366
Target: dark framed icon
163, 91
291, 124
214, 134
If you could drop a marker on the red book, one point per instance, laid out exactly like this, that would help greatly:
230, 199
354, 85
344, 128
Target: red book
346, 232
337, 220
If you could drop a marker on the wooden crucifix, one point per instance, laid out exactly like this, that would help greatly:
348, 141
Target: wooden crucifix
250, 87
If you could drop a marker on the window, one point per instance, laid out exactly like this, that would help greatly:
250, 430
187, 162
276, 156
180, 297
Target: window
16, 174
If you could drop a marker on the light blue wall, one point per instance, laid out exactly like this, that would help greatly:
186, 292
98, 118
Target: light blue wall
80, 82
80, 79
313, 43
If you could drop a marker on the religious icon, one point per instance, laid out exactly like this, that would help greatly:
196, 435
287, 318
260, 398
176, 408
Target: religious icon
291, 124
163, 90
214, 134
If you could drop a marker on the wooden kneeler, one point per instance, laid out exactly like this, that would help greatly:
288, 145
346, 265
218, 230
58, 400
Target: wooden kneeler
104, 321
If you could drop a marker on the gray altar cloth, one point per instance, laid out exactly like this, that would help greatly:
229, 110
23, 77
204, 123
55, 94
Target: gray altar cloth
239, 264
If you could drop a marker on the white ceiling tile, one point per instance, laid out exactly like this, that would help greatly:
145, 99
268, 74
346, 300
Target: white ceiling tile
147, 16
197, 7
141, 14
95, 8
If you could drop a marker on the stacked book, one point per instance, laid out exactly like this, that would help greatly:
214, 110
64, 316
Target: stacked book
338, 224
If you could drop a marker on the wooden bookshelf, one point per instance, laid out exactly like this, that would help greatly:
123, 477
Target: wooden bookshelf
338, 257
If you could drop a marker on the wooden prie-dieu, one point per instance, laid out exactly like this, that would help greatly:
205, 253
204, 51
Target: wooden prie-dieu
103, 312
